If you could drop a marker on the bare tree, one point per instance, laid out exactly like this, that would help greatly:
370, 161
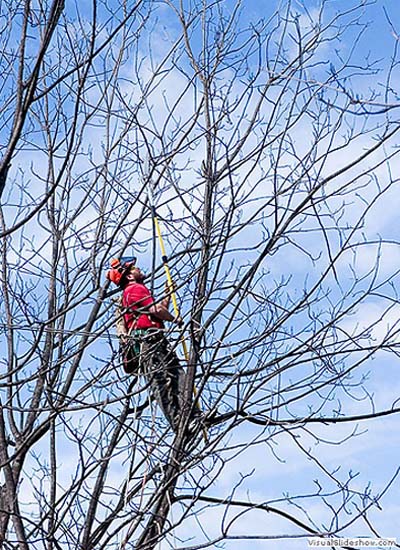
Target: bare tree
267, 145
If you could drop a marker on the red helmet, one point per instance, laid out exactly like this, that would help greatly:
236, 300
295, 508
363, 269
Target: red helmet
119, 268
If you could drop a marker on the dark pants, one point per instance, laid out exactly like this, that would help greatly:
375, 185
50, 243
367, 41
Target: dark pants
163, 372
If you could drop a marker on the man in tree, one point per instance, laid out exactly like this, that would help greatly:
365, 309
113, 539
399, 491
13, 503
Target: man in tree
140, 325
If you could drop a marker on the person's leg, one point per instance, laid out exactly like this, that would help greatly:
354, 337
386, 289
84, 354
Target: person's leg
176, 375
163, 375
130, 359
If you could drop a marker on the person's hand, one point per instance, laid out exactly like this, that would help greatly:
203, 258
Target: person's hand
179, 321
170, 288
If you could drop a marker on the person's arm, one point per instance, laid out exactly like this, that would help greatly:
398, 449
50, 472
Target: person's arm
165, 301
122, 332
161, 312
